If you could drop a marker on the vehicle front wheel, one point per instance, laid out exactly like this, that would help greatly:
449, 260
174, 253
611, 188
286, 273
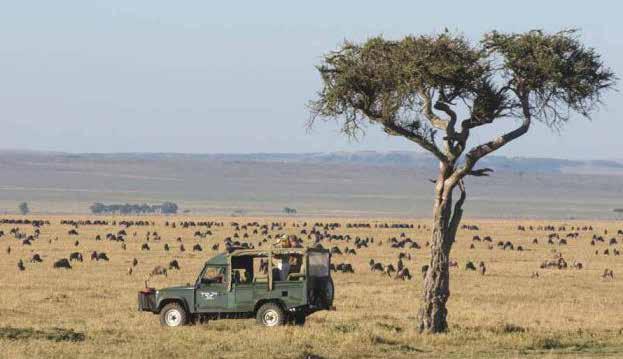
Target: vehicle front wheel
173, 315
271, 315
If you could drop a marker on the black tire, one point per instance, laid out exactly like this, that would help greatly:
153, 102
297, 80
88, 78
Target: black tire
271, 315
173, 315
328, 293
298, 318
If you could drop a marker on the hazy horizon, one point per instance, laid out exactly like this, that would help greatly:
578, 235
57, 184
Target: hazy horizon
153, 76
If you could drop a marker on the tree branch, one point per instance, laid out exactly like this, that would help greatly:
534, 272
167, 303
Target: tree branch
482, 172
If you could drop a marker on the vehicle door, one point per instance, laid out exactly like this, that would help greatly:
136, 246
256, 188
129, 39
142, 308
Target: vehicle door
211, 293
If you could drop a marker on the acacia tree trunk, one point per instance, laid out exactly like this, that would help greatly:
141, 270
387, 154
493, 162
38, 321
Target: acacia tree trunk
432, 314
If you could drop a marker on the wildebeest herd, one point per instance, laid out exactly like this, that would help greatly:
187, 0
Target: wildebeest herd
397, 243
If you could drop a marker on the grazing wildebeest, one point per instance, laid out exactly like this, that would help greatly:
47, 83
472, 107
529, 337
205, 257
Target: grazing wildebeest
470, 266
376, 266
481, 268
75, 256
145, 247
102, 256
182, 248
345, 268
390, 269
130, 271
197, 248
158, 270
20, 265
608, 273
403, 274
94, 255
62, 263
134, 262
36, 258
174, 265
166, 247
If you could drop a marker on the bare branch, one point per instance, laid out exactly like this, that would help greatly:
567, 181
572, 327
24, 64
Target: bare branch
482, 172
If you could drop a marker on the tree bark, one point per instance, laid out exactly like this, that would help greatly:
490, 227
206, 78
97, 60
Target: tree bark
432, 314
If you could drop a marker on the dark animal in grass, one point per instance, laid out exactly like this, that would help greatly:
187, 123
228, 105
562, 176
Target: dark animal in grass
145, 247
94, 256
158, 270
8, 250
72, 232
377, 267
134, 262
608, 273
535, 241
123, 246
390, 269
400, 265
102, 257
62, 263
197, 248
166, 247
20, 265
75, 256
470, 266
453, 263
36, 258
182, 249
403, 274
26, 242
613, 241
215, 247
481, 268
345, 268
472, 246
174, 265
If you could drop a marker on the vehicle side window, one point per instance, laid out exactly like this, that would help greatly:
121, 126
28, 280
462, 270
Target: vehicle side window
213, 275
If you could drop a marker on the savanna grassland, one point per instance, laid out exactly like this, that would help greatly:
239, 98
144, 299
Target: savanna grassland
90, 310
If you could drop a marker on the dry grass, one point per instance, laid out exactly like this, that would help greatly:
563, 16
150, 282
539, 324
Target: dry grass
90, 311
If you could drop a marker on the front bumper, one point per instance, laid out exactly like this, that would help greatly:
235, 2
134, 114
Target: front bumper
147, 301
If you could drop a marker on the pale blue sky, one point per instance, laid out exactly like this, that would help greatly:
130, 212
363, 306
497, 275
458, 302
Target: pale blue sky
199, 76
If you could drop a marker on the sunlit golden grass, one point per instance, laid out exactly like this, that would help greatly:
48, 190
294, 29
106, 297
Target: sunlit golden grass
504, 314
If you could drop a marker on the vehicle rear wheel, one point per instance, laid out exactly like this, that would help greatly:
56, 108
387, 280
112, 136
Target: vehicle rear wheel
271, 315
173, 315
328, 293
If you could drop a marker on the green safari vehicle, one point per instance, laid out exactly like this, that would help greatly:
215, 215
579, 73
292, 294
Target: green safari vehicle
275, 285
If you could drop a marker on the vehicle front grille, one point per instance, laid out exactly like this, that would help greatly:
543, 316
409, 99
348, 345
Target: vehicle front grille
146, 301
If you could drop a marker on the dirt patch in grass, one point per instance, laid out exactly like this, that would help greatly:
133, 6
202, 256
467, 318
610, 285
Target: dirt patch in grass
52, 334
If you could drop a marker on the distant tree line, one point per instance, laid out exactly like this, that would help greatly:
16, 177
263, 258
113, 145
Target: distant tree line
164, 208
289, 210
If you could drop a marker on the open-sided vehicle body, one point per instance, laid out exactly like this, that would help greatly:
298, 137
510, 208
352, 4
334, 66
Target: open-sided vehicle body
276, 285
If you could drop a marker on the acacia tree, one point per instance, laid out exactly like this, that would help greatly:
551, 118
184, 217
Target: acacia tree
418, 87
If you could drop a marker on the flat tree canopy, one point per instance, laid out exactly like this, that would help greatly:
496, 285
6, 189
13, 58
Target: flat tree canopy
435, 89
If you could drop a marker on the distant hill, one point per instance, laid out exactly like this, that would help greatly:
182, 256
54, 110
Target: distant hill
364, 183
409, 159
